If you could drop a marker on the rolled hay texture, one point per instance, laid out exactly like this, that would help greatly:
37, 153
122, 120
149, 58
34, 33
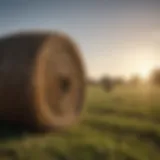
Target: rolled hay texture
42, 80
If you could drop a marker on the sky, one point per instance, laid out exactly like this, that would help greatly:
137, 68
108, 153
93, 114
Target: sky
116, 37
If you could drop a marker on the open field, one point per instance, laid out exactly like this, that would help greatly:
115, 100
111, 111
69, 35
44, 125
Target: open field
121, 125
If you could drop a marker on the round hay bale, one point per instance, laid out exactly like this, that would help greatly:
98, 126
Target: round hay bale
42, 80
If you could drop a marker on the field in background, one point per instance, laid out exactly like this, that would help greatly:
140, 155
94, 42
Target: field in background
120, 125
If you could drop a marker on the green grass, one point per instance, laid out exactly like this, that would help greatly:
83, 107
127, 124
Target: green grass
121, 125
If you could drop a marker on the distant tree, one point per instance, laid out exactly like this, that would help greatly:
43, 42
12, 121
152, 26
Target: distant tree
135, 80
107, 83
119, 81
91, 82
155, 77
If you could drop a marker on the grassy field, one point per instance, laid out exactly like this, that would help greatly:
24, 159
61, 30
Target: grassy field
121, 125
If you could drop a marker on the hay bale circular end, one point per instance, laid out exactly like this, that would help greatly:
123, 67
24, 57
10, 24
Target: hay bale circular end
51, 87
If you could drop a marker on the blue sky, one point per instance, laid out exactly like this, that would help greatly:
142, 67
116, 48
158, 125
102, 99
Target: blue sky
116, 37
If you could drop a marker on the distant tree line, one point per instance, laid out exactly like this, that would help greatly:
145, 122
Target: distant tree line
108, 83
154, 78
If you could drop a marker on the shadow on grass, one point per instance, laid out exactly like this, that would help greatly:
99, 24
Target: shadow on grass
8, 154
9, 130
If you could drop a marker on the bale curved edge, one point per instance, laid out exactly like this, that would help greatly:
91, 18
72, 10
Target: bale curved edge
42, 80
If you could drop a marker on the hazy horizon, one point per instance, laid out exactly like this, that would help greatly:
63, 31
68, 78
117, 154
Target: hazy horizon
116, 37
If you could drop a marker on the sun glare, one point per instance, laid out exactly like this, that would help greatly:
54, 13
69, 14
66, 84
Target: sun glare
144, 72
145, 67
144, 61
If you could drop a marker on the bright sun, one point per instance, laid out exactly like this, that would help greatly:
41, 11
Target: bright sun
144, 61
145, 67
144, 72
